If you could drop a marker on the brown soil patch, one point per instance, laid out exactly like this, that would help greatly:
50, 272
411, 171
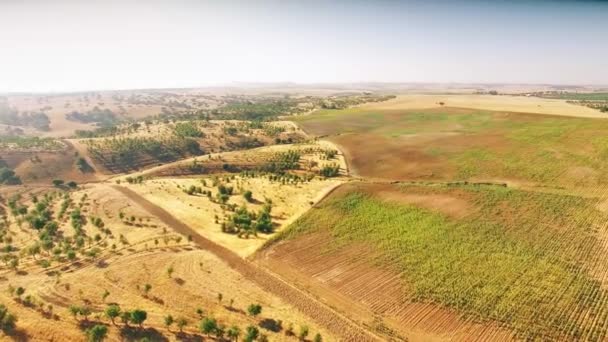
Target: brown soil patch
373, 156
451, 206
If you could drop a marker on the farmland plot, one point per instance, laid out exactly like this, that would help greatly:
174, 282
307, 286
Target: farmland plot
523, 261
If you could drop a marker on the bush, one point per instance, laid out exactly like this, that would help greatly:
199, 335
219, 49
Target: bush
7, 320
248, 195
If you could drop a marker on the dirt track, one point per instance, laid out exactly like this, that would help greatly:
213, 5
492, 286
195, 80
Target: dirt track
335, 322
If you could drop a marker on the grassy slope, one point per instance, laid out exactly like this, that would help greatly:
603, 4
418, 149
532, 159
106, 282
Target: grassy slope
534, 148
523, 259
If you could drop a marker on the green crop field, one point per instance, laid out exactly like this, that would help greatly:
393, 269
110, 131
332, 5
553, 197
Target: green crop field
578, 96
526, 260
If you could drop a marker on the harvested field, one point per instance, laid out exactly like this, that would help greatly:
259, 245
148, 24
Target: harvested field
506, 103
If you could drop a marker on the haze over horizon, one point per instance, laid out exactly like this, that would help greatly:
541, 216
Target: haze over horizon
69, 45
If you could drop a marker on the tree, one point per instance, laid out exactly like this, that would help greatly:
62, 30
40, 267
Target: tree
220, 297
233, 333
251, 333
57, 182
97, 333
138, 317
170, 271
125, 317
86, 312
248, 195
317, 338
168, 321
254, 309
19, 292
105, 295
220, 331
7, 320
208, 325
181, 323
74, 310
303, 332
112, 312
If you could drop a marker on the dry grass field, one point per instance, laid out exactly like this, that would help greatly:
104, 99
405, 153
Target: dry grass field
137, 249
503, 103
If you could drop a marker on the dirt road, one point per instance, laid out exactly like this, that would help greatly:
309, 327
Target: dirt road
335, 322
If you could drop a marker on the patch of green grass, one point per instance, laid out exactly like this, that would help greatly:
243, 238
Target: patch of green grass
578, 96
521, 259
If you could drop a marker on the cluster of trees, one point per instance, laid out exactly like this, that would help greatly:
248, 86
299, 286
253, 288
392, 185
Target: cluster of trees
11, 116
282, 161
188, 130
102, 117
82, 165
8, 176
332, 170
60, 182
245, 223
51, 244
129, 152
135, 180
343, 102
29, 143
259, 110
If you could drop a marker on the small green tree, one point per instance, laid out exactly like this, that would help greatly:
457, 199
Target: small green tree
57, 182
181, 323
138, 317
112, 312
125, 317
234, 333
208, 325
248, 195
254, 309
317, 338
97, 333
75, 311
251, 333
168, 321
8, 321
86, 312
303, 332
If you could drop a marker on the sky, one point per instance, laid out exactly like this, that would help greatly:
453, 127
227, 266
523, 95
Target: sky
71, 45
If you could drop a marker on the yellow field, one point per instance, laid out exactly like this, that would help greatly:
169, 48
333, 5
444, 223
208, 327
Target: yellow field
507, 103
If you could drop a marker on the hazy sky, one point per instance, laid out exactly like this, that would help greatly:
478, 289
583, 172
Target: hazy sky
56, 45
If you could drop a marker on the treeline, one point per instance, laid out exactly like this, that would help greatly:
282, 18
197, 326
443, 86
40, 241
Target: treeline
26, 143
349, 101
127, 153
11, 116
102, 117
